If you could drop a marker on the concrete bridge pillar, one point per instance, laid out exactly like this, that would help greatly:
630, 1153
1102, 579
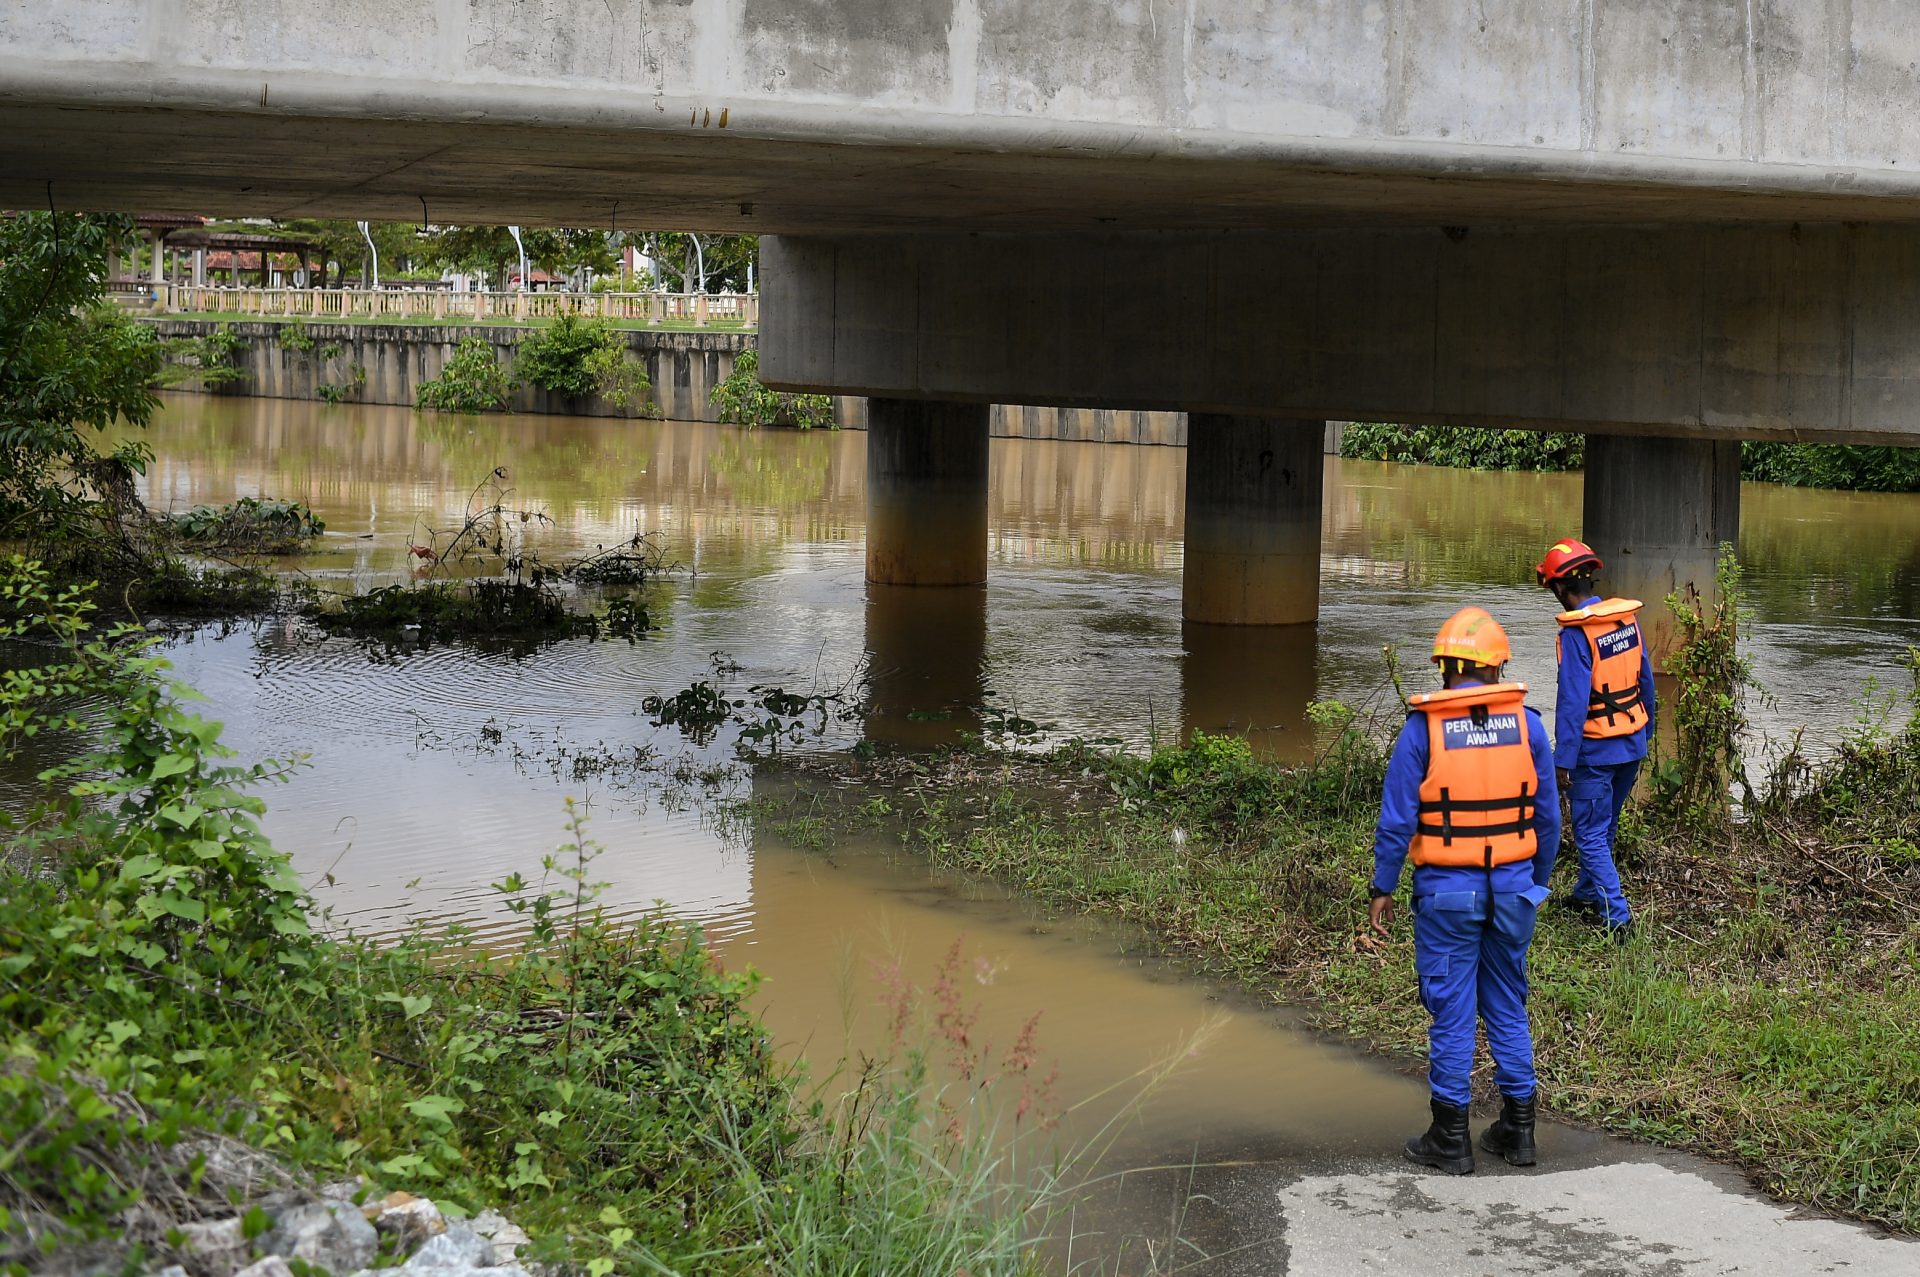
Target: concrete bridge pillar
926, 492
1656, 511
926, 664
1253, 520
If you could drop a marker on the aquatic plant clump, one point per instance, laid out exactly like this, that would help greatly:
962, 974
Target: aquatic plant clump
251, 525
503, 613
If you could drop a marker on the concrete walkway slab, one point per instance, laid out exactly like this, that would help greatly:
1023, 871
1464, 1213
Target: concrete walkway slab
1629, 1218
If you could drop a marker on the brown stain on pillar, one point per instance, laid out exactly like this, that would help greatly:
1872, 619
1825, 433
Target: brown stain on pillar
926, 492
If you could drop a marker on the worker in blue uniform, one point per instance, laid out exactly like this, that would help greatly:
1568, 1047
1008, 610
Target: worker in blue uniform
1603, 719
1470, 795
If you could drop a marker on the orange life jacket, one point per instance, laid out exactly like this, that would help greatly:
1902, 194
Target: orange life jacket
1614, 706
1478, 796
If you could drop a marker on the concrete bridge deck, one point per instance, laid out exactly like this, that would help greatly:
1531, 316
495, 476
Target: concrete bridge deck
966, 114
1686, 221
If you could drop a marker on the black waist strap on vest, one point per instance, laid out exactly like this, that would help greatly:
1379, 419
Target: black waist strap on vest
1446, 831
1610, 702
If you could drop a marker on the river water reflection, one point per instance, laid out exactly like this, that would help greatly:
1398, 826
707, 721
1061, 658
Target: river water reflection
438, 772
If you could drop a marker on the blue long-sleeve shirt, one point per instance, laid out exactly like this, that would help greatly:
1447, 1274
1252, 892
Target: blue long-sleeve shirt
1400, 814
1570, 747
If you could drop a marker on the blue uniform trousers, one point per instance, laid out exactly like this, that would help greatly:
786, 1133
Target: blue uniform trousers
1597, 793
1470, 951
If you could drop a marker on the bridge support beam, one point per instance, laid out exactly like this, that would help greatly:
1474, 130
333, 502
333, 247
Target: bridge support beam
1253, 520
1656, 510
926, 492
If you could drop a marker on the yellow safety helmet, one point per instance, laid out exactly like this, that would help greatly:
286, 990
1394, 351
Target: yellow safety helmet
1472, 635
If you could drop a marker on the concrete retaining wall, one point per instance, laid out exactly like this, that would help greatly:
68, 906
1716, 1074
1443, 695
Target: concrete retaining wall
684, 366
399, 358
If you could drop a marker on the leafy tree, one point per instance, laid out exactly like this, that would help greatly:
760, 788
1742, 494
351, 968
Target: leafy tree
343, 249
1827, 465
703, 263
70, 366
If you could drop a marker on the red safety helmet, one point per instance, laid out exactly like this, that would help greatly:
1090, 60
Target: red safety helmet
1472, 635
1566, 558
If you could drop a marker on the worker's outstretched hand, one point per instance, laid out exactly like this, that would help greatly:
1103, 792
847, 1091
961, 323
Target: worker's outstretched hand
1565, 779
1380, 914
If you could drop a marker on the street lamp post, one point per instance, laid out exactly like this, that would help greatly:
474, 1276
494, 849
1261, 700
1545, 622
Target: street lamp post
374, 249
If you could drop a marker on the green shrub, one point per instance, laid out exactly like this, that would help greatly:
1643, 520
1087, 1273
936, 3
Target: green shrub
1469, 447
577, 357
1827, 465
293, 335
473, 381
555, 357
1804, 465
744, 401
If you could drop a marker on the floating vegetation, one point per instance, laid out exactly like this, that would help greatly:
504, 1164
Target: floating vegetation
767, 716
251, 525
517, 616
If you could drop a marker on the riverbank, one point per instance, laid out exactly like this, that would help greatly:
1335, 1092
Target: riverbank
181, 1027
386, 361
1764, 1014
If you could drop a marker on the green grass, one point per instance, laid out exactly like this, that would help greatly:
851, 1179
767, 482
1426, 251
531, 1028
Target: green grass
1767, 1013
451, 321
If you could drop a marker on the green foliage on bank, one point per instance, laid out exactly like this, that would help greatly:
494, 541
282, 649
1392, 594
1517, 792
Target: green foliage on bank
1801, 465
1821, 465
1467, 447
579, 357
169, 1012
70, 367
743, 400
473, 381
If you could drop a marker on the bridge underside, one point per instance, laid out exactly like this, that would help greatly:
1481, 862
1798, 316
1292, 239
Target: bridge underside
480, 161
1808, 332
1672, 224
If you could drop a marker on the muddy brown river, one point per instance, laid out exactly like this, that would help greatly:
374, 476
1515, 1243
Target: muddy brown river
433, 773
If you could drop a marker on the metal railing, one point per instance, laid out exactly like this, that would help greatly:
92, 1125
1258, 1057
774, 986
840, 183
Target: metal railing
700, 310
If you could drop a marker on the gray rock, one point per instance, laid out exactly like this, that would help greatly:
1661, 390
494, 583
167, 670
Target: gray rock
171, 1270
412, 1220
331, 1235
271, 1266
507, 1237
344, 1190
219, 1244
458, 1247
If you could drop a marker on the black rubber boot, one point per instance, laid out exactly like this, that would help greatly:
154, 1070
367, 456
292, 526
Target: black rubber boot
1448, 1144
1512, 1136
